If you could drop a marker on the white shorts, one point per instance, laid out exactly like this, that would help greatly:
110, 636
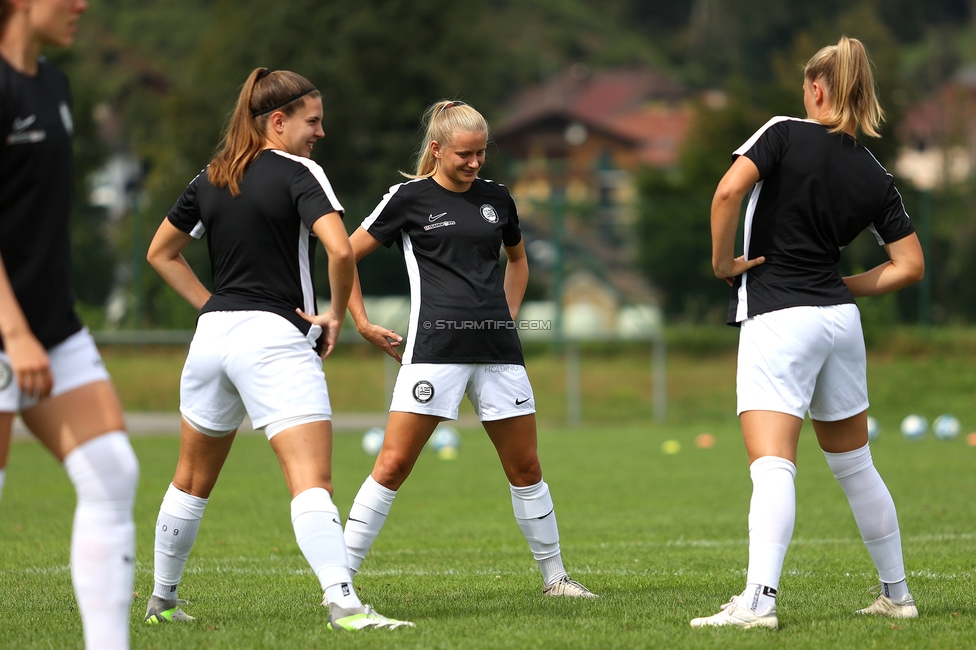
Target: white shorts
497, 390
803, 359
74, 361
252, 362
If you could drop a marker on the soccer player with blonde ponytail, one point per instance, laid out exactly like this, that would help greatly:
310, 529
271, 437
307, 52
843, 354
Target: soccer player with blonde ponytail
462, 336
812, 188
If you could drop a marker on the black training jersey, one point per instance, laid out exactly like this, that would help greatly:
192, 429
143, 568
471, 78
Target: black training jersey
451, 243
817, 191
261, 243
35, 197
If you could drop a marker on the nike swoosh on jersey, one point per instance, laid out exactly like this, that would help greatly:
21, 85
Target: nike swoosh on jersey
435, 218
518, 403
22, 123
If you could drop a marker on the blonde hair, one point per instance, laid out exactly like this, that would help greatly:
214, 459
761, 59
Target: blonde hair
845, 70
264, 92
441, 121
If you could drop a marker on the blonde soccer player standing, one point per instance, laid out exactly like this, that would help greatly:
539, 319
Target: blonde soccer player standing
812, 188
450, 226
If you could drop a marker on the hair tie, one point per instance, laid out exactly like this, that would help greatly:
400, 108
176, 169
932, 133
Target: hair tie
448, 105
282, 103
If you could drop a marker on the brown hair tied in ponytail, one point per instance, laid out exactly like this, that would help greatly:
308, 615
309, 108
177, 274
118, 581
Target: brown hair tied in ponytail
264, 92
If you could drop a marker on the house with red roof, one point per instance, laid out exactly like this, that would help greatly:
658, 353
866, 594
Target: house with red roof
938, 135
574, 145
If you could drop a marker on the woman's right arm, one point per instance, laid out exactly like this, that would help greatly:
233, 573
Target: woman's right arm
905, 266
29, 359
166, 256
385, 339
731, 190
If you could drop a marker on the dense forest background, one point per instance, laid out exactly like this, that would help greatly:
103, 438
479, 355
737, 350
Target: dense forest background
154, 81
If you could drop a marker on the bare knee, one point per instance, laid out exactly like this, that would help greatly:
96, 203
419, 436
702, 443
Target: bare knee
525, 472
392, 469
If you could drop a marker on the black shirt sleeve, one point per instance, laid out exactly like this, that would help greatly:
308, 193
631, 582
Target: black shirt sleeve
511, 232
387, 219
767, 146
185, 213
893, 223
310, 197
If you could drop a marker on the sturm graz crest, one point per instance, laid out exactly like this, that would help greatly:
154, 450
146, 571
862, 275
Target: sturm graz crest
488, 212
423, 391
6, 374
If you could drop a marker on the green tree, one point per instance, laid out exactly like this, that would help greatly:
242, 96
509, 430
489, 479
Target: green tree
673, 222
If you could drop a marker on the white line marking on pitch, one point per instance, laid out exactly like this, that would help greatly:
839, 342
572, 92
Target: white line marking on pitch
259, 566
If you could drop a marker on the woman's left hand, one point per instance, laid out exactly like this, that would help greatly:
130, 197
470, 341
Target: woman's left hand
330, 324
383, 338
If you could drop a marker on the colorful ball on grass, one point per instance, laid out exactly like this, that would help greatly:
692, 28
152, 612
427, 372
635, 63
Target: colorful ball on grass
446, 441
671, 447
914, 426
946, 427
874, 429
447, 453
704, 441
373, 440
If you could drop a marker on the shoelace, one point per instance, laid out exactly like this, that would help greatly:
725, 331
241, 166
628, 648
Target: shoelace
385, 621
730, 605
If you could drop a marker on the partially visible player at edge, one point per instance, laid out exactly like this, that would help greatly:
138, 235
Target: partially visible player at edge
50, 370
261, 202
814, 187
450, 226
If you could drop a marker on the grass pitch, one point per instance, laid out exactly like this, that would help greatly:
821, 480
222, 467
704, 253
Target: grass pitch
661, 537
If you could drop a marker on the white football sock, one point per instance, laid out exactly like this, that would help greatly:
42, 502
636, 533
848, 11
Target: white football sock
319, 534
366, 518
874, 512
3, 479
105, 473
536, 516
772, 513
176, 531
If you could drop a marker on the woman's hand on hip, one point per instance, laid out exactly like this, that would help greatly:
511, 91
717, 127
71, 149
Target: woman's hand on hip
739, 265
330, 323
30, 364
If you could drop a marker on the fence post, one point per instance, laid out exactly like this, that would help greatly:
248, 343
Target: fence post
659, 372
574, 396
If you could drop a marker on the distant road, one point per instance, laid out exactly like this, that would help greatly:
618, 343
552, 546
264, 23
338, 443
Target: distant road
157, 423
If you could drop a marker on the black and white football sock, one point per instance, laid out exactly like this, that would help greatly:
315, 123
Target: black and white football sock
875, 514
176, 530
104, 472
772, 513
366, 518
318, 531
536, 516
